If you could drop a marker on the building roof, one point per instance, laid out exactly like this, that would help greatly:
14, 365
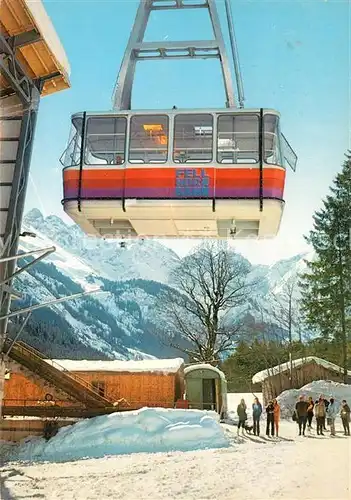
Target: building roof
153, 365
38, 47
284, 367
204, 366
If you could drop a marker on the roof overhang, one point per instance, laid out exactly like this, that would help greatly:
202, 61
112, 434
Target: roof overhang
29, 31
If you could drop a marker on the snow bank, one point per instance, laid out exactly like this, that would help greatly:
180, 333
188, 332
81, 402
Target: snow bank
288, 399
149, 365
148, 430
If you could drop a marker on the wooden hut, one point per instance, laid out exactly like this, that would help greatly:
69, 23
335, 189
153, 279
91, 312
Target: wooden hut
206, 388
277, 379
156, 382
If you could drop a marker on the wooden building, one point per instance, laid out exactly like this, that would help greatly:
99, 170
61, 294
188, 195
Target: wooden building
156, 382
206, 388
137, 383
277, 379
35, 386
15, 430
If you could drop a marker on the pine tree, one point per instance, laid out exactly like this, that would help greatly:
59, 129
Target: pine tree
326, 287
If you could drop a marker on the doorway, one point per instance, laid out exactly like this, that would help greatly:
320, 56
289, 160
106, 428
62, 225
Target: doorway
209, 394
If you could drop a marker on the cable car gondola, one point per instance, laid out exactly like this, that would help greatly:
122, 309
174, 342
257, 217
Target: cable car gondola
177, 172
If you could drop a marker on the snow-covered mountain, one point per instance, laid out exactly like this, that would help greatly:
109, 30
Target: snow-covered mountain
138, 259
122, 323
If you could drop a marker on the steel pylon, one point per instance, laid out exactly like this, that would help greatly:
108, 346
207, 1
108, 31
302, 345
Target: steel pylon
138, 50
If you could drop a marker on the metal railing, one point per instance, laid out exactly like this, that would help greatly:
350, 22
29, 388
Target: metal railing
126, 404
41, 403
25, 349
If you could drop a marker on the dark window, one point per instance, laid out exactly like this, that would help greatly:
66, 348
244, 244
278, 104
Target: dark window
148, 141
193, 138
272, 149
238, 139
99, 387
105, 140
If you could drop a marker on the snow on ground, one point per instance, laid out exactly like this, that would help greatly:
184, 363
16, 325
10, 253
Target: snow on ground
251, 468
288, 399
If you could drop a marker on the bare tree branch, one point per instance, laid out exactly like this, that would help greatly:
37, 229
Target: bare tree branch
208, 283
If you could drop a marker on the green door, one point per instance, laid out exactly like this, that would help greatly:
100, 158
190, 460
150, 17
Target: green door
209, 393
194, 392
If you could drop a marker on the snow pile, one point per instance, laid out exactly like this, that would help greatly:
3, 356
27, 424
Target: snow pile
288, 399
148, 430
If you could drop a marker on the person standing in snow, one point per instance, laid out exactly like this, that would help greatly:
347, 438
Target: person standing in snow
276, 416
256, 415
326, 404
320, 412
241, 411
270, 418
310, 412
345, 417
332, 411
301, 408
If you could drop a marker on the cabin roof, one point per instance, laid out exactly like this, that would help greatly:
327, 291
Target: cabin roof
153, 365
284, 367
204, 366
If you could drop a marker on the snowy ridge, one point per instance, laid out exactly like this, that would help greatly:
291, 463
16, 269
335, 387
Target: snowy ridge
72, 266
262, 375
139, 259
157, 365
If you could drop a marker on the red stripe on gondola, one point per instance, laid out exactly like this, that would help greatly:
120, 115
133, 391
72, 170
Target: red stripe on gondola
165, 178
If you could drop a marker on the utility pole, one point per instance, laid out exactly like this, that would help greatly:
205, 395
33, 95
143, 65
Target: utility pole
290, 340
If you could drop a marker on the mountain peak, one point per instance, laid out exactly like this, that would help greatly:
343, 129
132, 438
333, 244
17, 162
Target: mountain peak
147, 259
34, 216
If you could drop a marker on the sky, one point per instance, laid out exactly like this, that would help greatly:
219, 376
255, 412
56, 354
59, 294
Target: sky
295, 57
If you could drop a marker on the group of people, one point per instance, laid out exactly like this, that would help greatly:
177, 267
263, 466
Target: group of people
273, 416
323, 410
